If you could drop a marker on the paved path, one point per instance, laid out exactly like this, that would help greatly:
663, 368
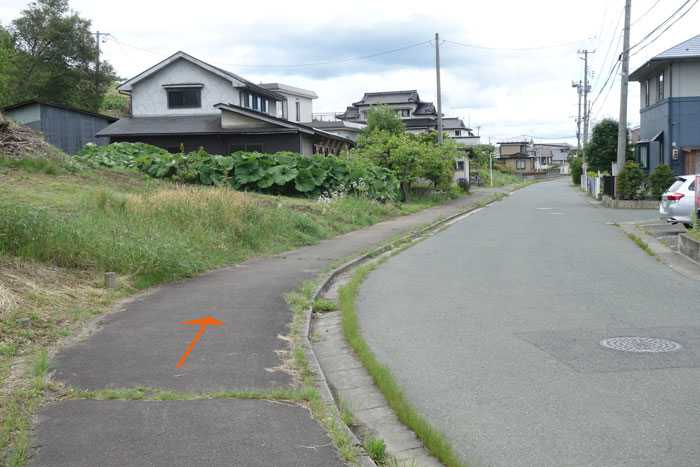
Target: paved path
142, 344
493, 329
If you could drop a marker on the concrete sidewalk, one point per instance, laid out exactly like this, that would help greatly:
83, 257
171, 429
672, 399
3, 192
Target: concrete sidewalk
141, 343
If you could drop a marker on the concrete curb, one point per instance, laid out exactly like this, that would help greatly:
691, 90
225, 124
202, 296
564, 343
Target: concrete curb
670, 258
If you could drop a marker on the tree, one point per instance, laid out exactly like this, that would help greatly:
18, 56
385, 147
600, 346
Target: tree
57, 57
409, 157
383, 117
601, 150
437, 163
482, 154
8, 66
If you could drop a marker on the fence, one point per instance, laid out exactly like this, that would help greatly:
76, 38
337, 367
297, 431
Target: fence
591, 185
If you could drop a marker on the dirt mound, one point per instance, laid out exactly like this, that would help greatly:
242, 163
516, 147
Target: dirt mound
17, 141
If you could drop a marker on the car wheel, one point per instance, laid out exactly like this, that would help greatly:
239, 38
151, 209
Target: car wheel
687, 226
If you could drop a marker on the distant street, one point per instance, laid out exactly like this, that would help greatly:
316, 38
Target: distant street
494, 328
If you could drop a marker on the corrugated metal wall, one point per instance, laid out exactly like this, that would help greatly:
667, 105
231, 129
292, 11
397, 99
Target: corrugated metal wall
70, 131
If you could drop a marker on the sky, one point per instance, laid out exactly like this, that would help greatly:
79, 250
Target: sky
507, 66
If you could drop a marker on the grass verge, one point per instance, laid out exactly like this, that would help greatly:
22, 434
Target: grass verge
435, 441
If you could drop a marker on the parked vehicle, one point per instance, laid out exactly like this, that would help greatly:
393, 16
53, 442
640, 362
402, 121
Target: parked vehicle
678, 202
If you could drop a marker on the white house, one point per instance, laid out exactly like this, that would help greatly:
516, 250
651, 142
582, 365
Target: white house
183, 101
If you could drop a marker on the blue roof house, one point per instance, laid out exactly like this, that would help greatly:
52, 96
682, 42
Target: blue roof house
670, 109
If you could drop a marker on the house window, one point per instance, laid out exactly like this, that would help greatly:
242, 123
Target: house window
251, 101
520, 165
643, 155
458, 132
460, 165
184, 98
646, 93
298, 111
660, 87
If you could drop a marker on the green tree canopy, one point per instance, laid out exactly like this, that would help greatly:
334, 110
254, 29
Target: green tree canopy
382, 117
409, 157
57, 57
8, 64
601, 150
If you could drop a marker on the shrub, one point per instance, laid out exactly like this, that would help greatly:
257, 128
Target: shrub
284, 173
629, 180
660, 179
576, 170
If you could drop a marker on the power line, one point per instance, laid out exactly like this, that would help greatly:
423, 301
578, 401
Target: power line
663, 23
518, 49
613, 70
298, 65
667, 28
612, 39
646, 12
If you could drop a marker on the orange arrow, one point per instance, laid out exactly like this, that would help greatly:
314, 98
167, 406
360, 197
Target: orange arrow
204, 322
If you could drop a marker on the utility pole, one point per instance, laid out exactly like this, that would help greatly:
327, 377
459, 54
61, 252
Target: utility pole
622, 125
578, 87
439, 103
97, 64
586, 90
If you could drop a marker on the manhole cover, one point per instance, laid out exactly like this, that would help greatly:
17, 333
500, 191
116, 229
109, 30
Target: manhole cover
640, 344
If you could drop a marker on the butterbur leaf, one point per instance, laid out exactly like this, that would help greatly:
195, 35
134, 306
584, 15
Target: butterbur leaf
248, 171
304, 181
318, 174
283, 174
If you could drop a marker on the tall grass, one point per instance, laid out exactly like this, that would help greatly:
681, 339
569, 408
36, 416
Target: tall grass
172, 233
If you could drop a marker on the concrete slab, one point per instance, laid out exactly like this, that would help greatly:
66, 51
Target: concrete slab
180, 433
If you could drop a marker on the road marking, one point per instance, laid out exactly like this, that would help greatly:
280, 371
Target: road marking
544, 209
556, 213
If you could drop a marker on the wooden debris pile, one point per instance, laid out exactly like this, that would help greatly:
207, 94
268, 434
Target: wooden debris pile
17, 141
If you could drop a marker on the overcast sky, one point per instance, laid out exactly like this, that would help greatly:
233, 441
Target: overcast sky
503, 93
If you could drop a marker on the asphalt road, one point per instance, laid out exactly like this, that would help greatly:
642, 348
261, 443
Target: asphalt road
493, 327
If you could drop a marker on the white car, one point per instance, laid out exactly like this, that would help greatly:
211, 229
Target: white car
678, 202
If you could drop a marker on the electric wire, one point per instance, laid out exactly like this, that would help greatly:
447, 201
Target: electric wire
667, 28
663, 23
298, 65
516, 49
612, 39
645, 13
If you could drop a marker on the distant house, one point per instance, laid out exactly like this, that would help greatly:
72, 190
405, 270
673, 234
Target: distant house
183, 101
67, 128
419, 116
669, 130
517, 155
549, 154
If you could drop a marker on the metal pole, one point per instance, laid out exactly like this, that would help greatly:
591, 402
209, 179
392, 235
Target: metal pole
622, 125
439, 100
491, 167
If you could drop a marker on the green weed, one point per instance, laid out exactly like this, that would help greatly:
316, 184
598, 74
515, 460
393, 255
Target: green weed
376, 448
435, 441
